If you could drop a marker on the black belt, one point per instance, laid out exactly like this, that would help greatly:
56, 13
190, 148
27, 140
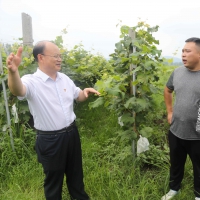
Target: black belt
63, 130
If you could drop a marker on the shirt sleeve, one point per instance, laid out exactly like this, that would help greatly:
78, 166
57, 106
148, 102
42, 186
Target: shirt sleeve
170, 84
76, 91
25, 81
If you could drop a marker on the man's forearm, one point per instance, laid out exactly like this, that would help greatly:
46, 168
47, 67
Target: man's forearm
168, 100
81, 96
15, 84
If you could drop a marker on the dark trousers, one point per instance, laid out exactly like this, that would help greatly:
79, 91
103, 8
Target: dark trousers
60, 154
179, 149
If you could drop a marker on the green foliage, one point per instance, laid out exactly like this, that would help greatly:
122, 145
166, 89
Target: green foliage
133, 57
83, 67
156, 156
23, 143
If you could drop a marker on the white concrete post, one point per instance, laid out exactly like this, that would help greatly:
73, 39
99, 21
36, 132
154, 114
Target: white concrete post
27, 30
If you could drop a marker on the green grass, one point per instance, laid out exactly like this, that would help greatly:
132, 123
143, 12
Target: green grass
110, 172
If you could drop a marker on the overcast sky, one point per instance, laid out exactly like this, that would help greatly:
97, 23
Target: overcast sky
93, 22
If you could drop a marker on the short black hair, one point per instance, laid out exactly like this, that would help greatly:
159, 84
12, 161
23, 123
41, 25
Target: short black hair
39, 48
195, 40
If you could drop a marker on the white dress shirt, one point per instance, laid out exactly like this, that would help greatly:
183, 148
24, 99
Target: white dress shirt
50, 102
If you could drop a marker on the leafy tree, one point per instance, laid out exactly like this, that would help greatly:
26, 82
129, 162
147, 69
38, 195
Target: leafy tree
116, 89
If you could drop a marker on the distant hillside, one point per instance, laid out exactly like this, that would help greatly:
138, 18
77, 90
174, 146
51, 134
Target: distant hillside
175, 59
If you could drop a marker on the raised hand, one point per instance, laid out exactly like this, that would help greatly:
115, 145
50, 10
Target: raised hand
13, 61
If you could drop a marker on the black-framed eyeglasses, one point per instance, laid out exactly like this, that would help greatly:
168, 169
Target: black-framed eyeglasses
55, 56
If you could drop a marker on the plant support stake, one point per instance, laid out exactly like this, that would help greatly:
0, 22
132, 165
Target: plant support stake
132, 87
6, 105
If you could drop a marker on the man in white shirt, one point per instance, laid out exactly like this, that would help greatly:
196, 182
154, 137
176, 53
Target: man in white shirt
50, 95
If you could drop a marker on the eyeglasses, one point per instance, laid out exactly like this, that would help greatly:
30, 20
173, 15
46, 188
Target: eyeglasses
55, 56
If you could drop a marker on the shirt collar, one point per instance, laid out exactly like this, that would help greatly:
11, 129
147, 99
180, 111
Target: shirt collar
44, 76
